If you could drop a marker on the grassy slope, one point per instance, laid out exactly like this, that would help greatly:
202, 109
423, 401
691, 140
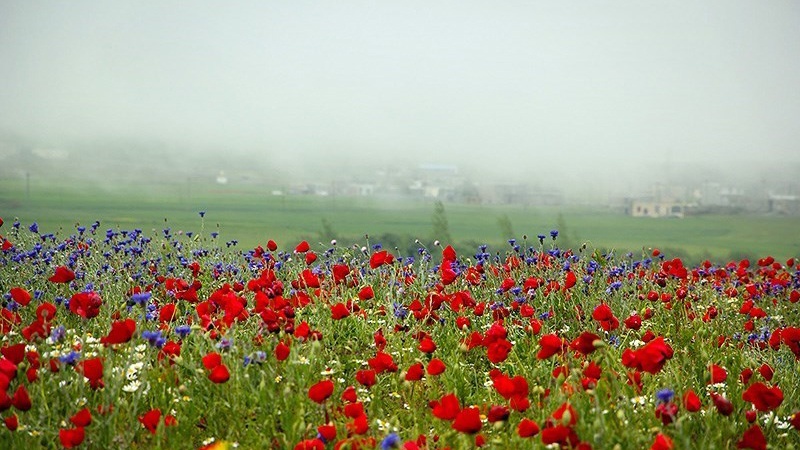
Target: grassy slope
252, 215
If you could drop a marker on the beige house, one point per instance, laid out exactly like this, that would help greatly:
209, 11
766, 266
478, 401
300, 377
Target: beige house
651, 208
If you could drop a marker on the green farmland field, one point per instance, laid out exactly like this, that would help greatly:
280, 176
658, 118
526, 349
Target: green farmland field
251, 214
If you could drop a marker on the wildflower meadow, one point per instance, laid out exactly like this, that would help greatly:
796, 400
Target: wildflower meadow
115, 338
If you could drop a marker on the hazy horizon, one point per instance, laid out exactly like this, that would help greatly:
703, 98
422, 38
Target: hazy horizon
601, 91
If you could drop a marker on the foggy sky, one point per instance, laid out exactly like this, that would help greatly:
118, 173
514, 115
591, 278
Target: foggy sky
523, 87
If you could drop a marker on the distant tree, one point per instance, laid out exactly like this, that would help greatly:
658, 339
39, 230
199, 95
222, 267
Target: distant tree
506, 230
441, 228
565, 239
327, 232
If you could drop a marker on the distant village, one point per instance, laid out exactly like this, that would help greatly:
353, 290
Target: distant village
445, 183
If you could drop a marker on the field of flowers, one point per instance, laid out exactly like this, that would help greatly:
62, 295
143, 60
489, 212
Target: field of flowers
116, 338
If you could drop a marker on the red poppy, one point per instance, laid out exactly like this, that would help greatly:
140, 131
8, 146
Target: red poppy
167, 313
498, 351
753, 439
71, 437
354, 410
560, 434
82, 418
667, 412
310, 258
570, 280
340, 272
745, 375
366, 293
359, 425
46, 312
723, 405
366, 377
15, 354
414, 372
426, 345
121, 332
219, 374
448, 275
349, 395
92, 369
447, 408
212, 360
152, 418
766, 372
468, 420
321, 391
5, 399
550, 344
497, 413
339, 311
435, 367
310, 444
565, 415
85, 304
309, 279
20, 296
527, 428
302, 247
519, 403
585, 343
327, 431
382, 362
380, 258
762, 397
650, 358
11, 422
662, 442
691, 401
281, 351
795, 420
62, 274
718, 374
603, 314
21, 400
634, 322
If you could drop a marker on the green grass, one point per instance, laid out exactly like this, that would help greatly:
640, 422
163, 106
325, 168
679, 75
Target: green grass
251, 215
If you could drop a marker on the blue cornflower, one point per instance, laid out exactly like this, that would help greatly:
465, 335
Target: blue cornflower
183, 330
202, 213
58, 333
665, 395
392, 440
140, 298
224, 344
34, 227
214, 234
70, 358
259, 357
400, 311
154, 338
554, 234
